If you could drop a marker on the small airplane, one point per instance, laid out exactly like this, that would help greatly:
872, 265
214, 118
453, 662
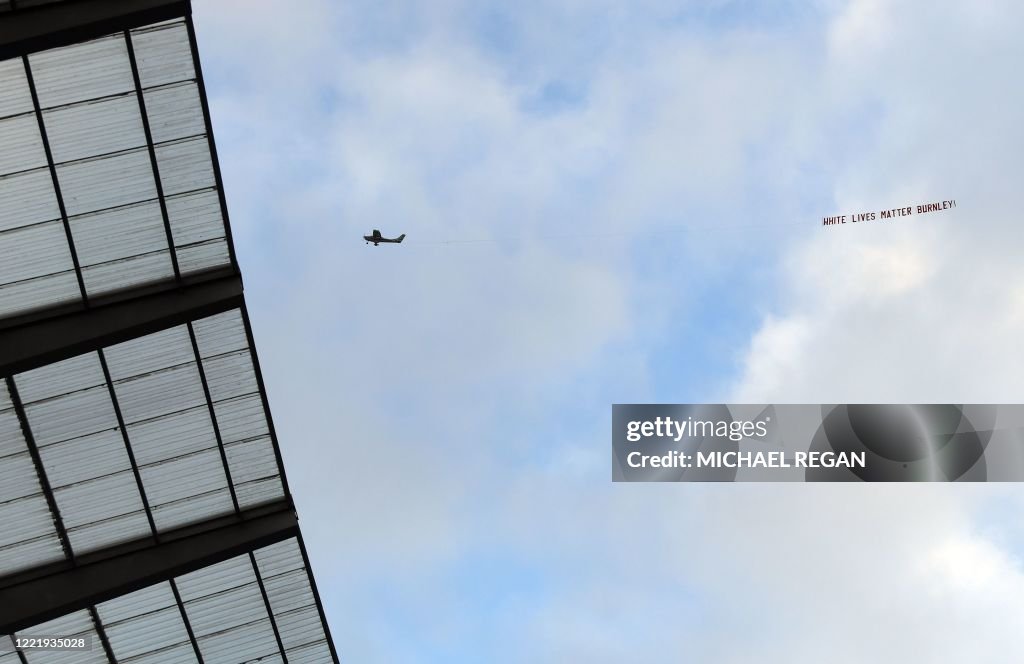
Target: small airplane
376, 238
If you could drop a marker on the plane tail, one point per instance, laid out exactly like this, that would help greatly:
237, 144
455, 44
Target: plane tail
401, 237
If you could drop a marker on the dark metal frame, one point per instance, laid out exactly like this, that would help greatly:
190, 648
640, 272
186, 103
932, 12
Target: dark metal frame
213, 416
264, 400
127, 444
53, 177
77, 587
152, 155
102, 634
35, 344
71, 21
316, 596
42, 337
186, 621
37, 462
266, 603
198, 71
49, 26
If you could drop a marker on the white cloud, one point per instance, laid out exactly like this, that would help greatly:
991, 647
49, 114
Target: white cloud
405, 385
923, 308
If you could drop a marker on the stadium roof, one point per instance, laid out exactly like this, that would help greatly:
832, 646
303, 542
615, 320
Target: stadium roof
142, 494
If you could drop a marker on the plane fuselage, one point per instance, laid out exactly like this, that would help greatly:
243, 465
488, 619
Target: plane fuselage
376, 238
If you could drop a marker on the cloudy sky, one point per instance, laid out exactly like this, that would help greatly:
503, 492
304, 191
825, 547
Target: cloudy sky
621, 202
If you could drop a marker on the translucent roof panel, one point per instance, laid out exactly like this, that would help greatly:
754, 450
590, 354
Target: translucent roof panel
147, 626
257, 607
28, 536
184, 403
129, 188
77, 624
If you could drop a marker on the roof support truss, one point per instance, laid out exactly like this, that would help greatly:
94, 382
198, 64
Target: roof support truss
36, 600
32, 345
59, 24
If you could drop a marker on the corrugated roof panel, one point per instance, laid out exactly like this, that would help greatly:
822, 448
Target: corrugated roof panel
172, 435
94, 128
24, 519
126, 272
279, 558
198, 473
195, 217
160, 393
119, 233
26, 198
163, 54
78, 623
152, 598
17, 477
251, 460
96, 184
317, 653
242, 418
289, 591
82, 71
185, 165
99, 499
167, 348
38, 293
22, 144
257, 492
14, 93
174, 111
231, 375
28, 537
146, 626
36, 260
179, 654
109, 532
7, 653
154, 630
300, 627
198, 257
241, 644
34, 251
220, 334
70, 416
53, 380
85, 458
184, 512
227, 610
11, 441
28, 553
230, 573
269, 659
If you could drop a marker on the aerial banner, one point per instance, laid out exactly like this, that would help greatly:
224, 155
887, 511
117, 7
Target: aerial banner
817, 443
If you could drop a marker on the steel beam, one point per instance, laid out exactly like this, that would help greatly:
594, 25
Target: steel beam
38, 28
36, 600
34, 344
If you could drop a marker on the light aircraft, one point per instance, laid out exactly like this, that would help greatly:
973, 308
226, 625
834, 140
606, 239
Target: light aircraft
376, 238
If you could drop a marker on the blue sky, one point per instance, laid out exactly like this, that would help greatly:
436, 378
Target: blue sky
634, 193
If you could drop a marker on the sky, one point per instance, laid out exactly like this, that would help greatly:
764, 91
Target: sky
621, 202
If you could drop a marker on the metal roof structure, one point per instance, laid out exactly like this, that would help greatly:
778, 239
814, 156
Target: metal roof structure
143, 500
